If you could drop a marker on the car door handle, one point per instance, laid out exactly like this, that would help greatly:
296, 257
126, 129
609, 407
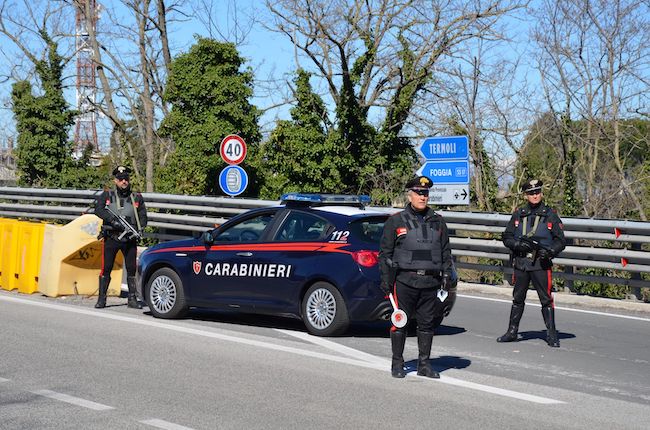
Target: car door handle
245, 254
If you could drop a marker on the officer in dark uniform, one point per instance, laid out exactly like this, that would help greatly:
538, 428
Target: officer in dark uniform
534, 235
415, 262
130, 206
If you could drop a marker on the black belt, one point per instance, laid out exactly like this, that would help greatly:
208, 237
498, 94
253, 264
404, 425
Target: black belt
422, 272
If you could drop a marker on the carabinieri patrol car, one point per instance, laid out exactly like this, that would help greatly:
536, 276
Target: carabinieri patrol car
314, 257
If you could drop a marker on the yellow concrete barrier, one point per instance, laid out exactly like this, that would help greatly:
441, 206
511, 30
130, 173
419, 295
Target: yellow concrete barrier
9, 253
28, 263
72, 259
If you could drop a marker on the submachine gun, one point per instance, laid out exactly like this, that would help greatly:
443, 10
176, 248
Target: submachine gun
127, 229
536, 248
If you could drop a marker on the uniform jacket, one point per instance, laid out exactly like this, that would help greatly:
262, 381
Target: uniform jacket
542, 223
434, 239
128, 204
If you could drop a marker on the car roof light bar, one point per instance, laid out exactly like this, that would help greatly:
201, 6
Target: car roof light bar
313, 199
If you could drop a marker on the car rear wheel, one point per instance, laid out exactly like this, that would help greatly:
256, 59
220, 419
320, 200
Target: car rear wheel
165, 294
324, 311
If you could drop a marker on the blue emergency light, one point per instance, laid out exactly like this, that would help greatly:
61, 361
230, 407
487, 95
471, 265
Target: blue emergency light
325, 199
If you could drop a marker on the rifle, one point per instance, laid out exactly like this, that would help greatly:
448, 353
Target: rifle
127, 228
536, 246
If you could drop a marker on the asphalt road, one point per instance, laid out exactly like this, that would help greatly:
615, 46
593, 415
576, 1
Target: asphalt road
66, 365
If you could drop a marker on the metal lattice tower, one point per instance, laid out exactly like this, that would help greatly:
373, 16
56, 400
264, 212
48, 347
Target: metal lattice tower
86, 123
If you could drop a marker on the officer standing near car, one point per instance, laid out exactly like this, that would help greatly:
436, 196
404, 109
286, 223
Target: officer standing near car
415, 262
534, 235
124, 202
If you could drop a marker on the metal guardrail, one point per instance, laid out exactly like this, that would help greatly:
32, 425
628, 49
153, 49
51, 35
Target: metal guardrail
474, 236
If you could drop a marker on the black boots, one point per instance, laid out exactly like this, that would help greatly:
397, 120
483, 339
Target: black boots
548, 313
397, 341
104, 281
425, 338
133, 299
515, 316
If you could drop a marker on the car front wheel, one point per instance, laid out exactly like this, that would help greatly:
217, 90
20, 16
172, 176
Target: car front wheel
165, 294
324, 311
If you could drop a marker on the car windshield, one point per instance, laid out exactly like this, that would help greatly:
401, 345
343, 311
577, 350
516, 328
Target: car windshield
368, 230
249, 230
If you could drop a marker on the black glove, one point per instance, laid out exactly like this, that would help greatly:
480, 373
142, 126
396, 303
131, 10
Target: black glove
446, 282
544, 254
522, 247
115, 224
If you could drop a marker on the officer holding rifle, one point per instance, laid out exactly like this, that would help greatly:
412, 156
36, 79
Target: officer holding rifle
534, 235
124, 215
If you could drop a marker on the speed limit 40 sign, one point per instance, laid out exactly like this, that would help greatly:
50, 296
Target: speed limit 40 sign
233, 149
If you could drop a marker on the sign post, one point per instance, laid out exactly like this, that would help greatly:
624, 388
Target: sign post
233, 180
447, 164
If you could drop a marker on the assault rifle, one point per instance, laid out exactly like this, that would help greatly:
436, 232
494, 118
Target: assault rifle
126, 227
536, 246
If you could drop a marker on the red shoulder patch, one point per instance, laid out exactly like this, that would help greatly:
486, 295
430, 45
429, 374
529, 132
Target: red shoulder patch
549, 225
400, 231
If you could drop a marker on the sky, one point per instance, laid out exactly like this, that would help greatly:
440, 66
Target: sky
268, 53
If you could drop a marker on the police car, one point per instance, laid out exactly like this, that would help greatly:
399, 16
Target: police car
314, 257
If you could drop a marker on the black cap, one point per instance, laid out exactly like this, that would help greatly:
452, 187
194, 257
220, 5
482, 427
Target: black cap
532, 185
121, 172
419, 182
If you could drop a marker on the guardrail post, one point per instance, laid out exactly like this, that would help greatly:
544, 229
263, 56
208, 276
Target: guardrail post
568, 282
636, 291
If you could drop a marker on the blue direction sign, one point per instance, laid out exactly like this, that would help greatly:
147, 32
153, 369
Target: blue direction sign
233, 180
445, 148
446, 172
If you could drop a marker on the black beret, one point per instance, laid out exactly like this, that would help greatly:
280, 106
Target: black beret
419, 182
121, 172
532, 185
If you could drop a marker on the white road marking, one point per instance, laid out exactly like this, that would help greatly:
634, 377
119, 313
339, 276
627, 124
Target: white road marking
166, 425
490, 299
4, 380
271, 346
73, 400
351, 352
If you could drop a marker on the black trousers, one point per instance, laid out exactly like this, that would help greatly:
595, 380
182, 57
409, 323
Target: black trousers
129, 251
418, 303
542, 281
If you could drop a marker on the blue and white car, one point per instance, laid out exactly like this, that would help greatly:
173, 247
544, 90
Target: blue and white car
314, 257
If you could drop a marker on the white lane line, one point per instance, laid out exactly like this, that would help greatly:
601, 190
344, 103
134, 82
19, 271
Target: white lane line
165, 425
271, 346
351, 352
73, 400
490, 299
4, 380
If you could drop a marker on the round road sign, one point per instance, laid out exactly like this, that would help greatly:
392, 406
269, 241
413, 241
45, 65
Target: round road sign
233, 180
233, 149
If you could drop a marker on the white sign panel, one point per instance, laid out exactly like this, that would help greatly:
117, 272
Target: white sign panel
449, 195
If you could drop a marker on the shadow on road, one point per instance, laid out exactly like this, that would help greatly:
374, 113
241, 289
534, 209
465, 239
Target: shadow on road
440, 364
369, 329
541, 334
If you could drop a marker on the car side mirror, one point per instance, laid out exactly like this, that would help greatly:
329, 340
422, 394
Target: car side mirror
207, 238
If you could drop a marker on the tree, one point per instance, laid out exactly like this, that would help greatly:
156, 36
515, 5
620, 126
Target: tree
300, 155
43, 152
209, 95
375, 59
592, 56
133, 55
